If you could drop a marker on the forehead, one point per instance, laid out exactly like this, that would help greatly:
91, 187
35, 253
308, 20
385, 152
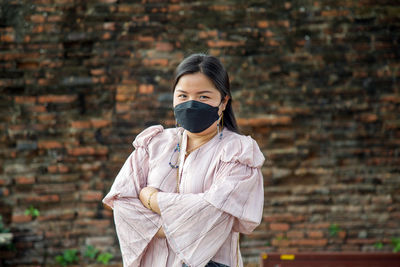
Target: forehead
195, 82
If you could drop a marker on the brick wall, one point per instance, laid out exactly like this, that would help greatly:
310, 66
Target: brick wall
316, 83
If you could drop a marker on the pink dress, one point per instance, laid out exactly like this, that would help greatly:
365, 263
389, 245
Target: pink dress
220, 194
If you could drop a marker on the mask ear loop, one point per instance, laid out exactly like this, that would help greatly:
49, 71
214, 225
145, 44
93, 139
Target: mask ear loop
220, 126
176, 149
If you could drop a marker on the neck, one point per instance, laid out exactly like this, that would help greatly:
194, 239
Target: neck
195, 139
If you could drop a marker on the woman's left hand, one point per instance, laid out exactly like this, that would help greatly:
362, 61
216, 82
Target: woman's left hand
144, 196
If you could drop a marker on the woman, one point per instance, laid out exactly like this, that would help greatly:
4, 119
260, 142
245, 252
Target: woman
184, 195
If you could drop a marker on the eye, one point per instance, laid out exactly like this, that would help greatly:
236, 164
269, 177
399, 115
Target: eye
204, 97
181, 96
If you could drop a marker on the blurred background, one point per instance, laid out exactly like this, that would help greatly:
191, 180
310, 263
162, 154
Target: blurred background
316, 83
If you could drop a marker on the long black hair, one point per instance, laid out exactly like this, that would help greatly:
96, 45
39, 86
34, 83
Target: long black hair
213, 69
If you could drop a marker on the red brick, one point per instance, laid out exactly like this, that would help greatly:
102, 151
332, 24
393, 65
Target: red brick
86, 214
295, 234
123, 107
37, 108
57, 98
156, 62
5, 181
38, 18
109, 26
91, 196
165, 47
49, 144
38, 29
342, 234
80, 124
334, 13
294, 110
106, 36
284, 23
100, 123
283, 218
5, 192
391, 98
174, 8
124, 97
54, 18
90, 166
25, 99
146, 88
320, 225
144, 18
273, 43
362, 241
87, 151
43, 199
146, 38
79, 151
369, 118
262, 121
7, 38
108, 208
315, 234
280, 242
262, 24
94, 223
97, 72
20, 218
126, 9
385, 199
309, 242
58, 178
46, 117
279, 226
25, 180
57, 217
222, 43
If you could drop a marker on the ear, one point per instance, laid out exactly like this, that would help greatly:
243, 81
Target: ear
225, 101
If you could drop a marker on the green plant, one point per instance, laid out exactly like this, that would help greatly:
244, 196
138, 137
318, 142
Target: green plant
32, 211
3, 229
91, 252
69, 256
281, 237
104, 257
396, 244
334, 229
378, 245
9, 247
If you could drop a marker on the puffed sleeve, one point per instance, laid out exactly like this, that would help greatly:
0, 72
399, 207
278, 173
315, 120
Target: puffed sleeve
196, 225
135, 224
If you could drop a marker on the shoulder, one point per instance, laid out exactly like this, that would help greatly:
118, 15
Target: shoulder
242, 149
154, 134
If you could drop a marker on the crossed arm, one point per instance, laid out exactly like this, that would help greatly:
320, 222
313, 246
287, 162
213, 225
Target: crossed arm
148, 197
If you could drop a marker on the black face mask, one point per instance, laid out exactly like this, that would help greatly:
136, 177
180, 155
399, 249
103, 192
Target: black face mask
195, 116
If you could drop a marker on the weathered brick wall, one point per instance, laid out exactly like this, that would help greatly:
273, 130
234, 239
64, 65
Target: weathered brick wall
316, 83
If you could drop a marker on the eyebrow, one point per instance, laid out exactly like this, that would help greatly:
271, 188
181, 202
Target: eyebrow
201, 92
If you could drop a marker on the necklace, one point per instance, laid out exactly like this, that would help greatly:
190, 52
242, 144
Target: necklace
196, 147
188, 151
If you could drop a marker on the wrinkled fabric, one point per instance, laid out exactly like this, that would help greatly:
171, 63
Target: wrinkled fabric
220, 195
210, 264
